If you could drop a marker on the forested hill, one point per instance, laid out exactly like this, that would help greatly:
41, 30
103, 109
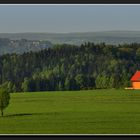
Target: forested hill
69, 67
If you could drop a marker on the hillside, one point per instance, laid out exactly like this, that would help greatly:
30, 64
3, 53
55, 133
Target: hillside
110, 37
69, 67
22, 45
26, 42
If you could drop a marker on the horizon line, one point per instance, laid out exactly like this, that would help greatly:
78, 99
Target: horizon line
71, 32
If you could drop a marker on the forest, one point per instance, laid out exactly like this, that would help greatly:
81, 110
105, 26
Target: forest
71, 67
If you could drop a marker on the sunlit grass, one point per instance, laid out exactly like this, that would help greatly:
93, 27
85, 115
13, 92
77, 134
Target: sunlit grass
73, 112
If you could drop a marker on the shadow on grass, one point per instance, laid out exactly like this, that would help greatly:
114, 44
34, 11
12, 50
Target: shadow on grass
29, 114
23, 114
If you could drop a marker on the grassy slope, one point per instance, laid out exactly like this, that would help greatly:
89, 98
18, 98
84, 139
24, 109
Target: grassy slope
75, 112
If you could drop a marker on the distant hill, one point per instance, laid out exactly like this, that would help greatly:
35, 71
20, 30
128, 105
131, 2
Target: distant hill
25, 42
110, 37
23, 45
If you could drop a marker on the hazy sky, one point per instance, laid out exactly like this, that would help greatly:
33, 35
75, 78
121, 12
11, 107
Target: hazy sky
68, 18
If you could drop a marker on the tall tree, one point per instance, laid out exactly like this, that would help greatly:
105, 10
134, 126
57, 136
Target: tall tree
4, 98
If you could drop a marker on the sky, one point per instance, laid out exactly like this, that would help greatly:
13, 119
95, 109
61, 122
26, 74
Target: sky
68, 18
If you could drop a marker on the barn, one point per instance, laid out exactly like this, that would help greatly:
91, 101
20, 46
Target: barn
135, 79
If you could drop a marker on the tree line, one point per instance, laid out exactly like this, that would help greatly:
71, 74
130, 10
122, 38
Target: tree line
71, 67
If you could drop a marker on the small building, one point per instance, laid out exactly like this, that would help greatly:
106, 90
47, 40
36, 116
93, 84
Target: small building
135, 79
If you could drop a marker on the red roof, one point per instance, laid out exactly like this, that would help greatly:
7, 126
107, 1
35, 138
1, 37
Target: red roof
136, 76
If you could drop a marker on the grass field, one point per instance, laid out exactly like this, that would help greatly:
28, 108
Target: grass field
73, 112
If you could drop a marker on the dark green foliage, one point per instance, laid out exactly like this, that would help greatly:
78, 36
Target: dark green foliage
70, 67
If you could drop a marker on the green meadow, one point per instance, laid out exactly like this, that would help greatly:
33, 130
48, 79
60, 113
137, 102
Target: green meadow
73, 112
